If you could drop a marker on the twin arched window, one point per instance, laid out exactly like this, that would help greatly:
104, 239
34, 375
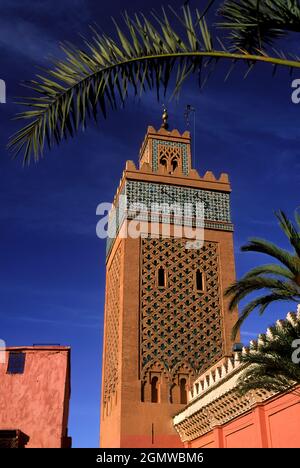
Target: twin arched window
155, 391
199, 279
170, 166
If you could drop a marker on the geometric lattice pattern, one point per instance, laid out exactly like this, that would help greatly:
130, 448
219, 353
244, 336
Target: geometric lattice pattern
170, 149
112, 319
178, 323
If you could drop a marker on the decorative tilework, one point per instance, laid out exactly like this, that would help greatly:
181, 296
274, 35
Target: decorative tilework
216, 206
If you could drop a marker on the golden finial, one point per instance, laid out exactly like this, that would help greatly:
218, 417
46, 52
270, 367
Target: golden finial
165, 117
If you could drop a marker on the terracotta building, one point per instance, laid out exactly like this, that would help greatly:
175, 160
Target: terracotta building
217, 416
34, 397
166, 319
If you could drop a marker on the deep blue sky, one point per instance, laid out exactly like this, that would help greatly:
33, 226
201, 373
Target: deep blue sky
51, 263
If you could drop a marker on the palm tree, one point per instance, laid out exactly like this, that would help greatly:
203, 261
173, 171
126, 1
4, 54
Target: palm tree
145, 56
269, 360
279, 281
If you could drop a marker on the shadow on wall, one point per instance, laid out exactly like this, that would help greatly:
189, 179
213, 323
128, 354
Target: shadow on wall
13, 439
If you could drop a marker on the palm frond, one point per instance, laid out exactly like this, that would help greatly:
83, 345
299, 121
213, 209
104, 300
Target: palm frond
271, 269
91, 80
260, 377
297, 217
281, 280
290, 230
261, 303
284, 256
268, 360
253, 24
242, 288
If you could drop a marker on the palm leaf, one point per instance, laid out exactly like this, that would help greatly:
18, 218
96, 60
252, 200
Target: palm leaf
260, 303
253, 24
285, 257
271, 269
290, 230
91, 80
281, 280
268, 361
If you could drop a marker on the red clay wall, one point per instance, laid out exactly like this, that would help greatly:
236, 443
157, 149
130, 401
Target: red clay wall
37, 401
274, 424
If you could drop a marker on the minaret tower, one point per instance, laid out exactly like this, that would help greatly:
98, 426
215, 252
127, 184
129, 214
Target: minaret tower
166, 319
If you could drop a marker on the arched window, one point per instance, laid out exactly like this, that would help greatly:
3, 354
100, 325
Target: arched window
183, 393
161, 277
143, 392
174, 164
171, 394
154, 390
199, 281
163, 161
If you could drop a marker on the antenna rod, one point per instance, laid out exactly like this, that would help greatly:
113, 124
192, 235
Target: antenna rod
188, 110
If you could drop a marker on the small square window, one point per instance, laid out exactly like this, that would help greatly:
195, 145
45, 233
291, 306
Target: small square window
16, 363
